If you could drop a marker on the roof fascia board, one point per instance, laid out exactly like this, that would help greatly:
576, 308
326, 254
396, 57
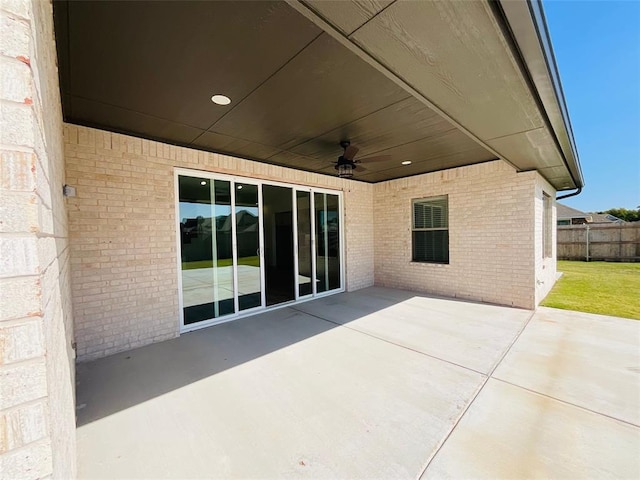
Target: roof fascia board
530, 33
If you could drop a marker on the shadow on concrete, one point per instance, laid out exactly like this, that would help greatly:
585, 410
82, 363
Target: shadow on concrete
115, 383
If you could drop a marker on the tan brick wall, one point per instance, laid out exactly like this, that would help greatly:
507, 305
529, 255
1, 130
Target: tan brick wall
37, 414
546, 271
123, 239
491, 234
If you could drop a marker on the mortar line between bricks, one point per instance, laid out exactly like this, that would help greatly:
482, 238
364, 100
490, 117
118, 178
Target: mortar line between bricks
21, 363
473, 399
44, 440
28, 403
17, 148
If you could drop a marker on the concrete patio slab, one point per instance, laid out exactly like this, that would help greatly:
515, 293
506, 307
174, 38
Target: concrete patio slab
512, 433
588, 360
473, 335
326, 402
369, 385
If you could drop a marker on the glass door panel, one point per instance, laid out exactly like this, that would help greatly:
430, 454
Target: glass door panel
333, 240
248, 246
327, 223
278, 244
303, 206
206, 253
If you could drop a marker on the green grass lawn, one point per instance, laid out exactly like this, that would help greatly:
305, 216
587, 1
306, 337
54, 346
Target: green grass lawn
597, 287
253, 261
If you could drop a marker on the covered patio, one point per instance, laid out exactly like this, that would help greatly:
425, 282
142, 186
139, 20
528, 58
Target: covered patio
377, 383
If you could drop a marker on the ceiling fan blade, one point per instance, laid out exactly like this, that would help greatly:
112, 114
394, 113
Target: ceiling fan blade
350, 152
379, 158
359, 168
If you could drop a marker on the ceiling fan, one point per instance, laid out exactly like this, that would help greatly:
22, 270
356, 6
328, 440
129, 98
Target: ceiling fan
346, 163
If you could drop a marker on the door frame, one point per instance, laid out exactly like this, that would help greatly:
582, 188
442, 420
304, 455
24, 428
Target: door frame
179, 171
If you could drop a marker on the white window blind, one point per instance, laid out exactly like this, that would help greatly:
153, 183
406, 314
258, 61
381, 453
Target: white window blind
430, 235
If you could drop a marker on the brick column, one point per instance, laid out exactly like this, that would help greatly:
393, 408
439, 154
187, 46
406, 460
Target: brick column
37, 417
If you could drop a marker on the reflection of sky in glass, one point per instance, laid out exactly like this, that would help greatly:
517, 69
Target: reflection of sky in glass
194, 210
332, 219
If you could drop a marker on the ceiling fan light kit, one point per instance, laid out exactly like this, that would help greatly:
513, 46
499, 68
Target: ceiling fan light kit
345, 170
346, 163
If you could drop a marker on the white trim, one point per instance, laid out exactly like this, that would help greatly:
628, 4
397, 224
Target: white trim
311, 252
214, 250
234, 246
178, 171
342, 226
314, 275
296, 267
326, 241
263, 266
178, 230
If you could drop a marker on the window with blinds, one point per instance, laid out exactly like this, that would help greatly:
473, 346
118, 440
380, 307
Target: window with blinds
430, 230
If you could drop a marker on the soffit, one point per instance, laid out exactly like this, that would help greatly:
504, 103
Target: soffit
459, 58
149, 69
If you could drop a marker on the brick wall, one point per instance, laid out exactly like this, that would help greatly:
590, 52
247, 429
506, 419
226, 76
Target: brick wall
37, 415
123, 239
545, 267
491, 234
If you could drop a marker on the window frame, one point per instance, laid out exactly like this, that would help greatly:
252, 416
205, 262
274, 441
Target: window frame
547, 226
414, 229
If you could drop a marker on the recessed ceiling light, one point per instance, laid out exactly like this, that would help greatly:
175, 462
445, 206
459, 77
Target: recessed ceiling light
239, 187
203, 182
406, 162
221, 100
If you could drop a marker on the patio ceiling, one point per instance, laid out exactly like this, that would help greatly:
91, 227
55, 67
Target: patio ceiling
434, 83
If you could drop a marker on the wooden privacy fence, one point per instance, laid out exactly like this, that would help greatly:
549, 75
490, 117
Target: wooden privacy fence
615, 242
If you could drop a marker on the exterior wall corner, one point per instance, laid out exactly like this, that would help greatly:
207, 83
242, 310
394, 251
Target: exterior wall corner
491, 237
37, 371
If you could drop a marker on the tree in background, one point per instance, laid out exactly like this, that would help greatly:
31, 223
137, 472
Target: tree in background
624, 214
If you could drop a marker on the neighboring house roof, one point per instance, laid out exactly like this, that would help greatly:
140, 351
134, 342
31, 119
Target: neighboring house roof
605, 218
564, 212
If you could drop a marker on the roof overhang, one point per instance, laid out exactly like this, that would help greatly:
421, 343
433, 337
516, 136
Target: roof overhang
441, 84
529, 30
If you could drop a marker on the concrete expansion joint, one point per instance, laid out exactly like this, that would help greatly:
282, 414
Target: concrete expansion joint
486, 378
575, 405
389, 342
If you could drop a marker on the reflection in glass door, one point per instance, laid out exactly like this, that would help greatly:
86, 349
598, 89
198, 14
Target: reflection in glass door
278, 244
327, 223
206, 250
248, 246
305, 274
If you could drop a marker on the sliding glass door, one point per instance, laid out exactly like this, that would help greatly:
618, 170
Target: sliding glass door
305, 248
327, 222
247, 245
206, 248
249, 274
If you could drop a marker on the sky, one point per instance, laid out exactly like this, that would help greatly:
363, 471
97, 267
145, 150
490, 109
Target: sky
597, 49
